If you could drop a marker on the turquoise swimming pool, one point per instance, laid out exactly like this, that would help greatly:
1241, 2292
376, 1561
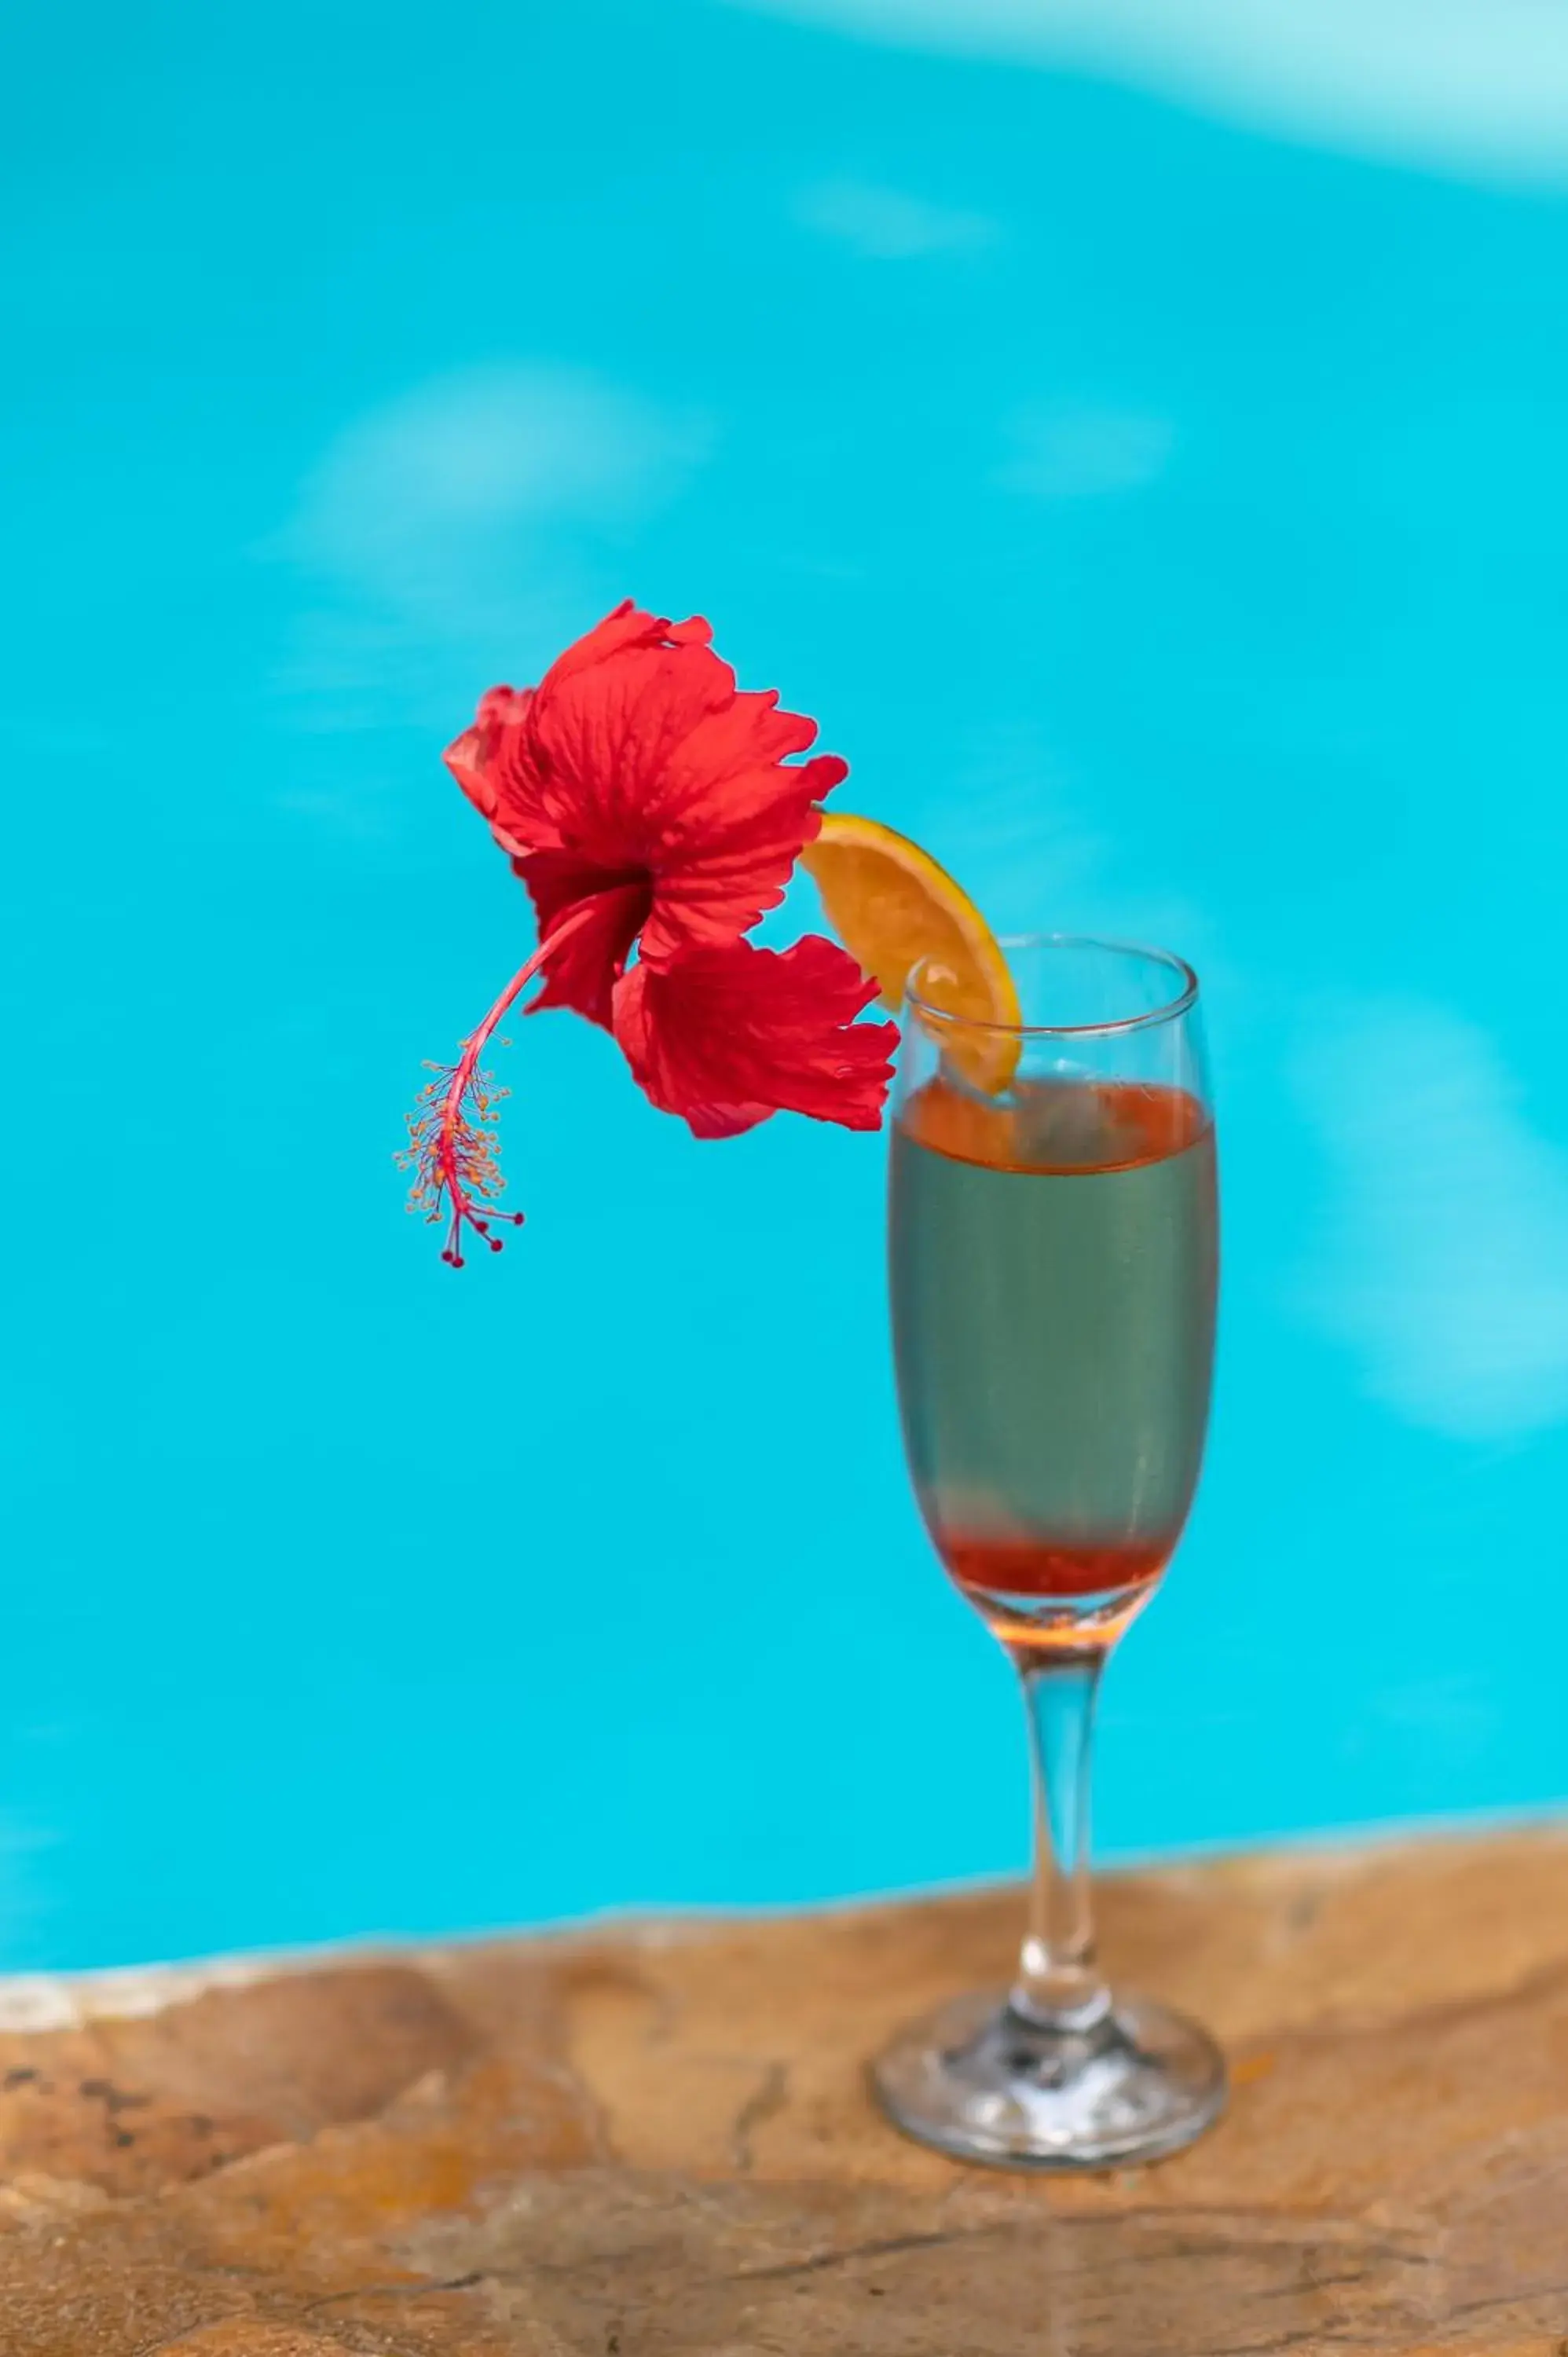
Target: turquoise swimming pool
1149, 470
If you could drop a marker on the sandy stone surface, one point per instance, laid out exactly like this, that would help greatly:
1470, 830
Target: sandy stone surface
646, 2141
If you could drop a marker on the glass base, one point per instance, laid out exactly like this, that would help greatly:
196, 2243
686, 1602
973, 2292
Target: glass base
984, 2082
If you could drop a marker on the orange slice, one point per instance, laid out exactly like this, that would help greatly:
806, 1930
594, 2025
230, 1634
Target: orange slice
891, 905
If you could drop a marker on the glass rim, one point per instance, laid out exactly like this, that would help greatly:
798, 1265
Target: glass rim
1184, 998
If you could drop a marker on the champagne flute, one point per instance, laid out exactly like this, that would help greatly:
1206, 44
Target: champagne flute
1053, 1256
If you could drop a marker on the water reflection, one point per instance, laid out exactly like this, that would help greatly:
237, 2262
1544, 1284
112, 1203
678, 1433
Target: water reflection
1443, 1256
1446, 85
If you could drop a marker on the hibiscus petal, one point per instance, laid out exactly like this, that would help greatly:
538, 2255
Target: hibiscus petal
600, 740
652, 757
731, 840
625, 626
583, 972
725, 1037
578, 773
473, 757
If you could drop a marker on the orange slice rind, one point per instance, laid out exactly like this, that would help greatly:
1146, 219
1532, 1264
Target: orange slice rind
893, 906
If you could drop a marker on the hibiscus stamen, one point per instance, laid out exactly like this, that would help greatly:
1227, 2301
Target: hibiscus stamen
451, 1146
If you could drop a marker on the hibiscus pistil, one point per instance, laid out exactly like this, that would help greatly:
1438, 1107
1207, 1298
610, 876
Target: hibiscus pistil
451, 1146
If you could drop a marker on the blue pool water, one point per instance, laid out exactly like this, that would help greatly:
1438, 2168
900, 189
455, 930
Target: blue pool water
1150, 468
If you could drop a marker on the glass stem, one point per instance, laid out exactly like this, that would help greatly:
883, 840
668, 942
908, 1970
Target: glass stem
1058, 1984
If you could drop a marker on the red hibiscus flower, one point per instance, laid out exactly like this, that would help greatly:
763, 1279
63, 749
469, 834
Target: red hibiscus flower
649, 803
